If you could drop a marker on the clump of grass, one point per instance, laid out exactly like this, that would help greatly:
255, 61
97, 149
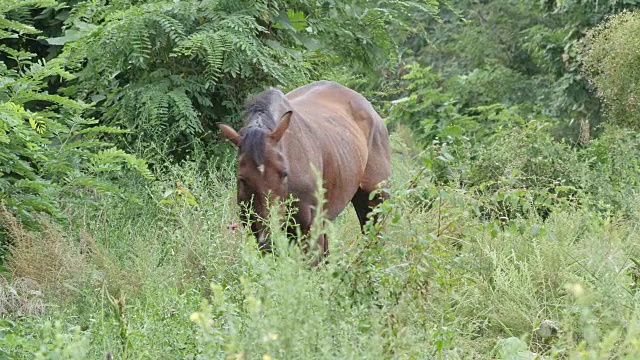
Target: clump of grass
57, 264
49, 259
21, 297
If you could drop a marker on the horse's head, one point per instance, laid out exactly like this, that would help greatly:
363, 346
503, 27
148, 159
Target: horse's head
262, 173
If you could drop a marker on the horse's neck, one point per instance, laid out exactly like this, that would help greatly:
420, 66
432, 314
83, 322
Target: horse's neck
300, 143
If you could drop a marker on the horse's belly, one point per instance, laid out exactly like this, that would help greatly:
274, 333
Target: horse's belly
334, 208
341, 188
343, 167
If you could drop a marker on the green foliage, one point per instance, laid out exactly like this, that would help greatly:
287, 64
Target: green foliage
42, 341
425, 104
496, 225
523, 170
57, 344
524, 54
611, 62
169, 71
555, 47
489, 49
508, 158
613, 170
433, 111
47, 146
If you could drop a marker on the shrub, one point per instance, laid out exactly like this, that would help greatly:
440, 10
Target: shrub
613, 175
51, 260
48, 146
611, 62
509, 157
169, 71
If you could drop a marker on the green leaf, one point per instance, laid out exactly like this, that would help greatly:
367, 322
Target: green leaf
453, 131
291, 20
69, 35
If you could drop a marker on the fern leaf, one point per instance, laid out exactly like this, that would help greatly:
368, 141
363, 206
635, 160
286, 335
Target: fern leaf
9, 27
109, 158
214, 47
140, 42
11, 5
17, 55
171, 27
98, 130
91, 182
158, 109
37, 185
69, 104
184, 112
38, 124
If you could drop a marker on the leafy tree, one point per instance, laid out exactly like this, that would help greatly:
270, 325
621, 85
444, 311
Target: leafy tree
524, 53
557, 48
169, 71
483, 44
48, 147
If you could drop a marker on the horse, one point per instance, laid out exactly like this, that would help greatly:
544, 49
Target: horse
320, 128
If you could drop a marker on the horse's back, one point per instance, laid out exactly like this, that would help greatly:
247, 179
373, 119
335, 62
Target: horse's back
327, 99
329, 95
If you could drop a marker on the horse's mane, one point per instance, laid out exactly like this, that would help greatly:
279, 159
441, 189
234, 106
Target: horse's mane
260, 122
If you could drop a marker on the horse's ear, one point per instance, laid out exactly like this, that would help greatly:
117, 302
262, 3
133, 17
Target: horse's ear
230, 134
282, 126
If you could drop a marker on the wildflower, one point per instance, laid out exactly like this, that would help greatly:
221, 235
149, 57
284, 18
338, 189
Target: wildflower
195, 316
232, 227
576, 289
270, 337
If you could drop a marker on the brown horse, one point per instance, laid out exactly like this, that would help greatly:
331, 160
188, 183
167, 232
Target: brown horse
322, 127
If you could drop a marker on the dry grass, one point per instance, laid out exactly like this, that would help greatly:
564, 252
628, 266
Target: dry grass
49, 259
20, 297
54, 263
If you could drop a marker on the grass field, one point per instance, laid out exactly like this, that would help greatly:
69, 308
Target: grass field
172, 281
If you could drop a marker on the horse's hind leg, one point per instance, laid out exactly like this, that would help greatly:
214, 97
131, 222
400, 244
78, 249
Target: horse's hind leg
364, 206
360, 204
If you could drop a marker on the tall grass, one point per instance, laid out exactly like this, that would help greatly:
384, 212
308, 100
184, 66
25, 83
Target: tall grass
168, 278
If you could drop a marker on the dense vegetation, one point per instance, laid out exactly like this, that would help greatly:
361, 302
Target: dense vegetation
512, 228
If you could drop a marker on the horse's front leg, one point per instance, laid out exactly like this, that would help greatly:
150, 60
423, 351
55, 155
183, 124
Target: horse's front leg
306, 217
323, 251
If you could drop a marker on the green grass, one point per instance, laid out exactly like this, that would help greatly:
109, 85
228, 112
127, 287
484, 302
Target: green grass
171, 281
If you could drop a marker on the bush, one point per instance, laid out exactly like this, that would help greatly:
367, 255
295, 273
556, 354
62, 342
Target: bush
48, 146
611, 62
516, 172
169, 71
509, 159
613, 175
